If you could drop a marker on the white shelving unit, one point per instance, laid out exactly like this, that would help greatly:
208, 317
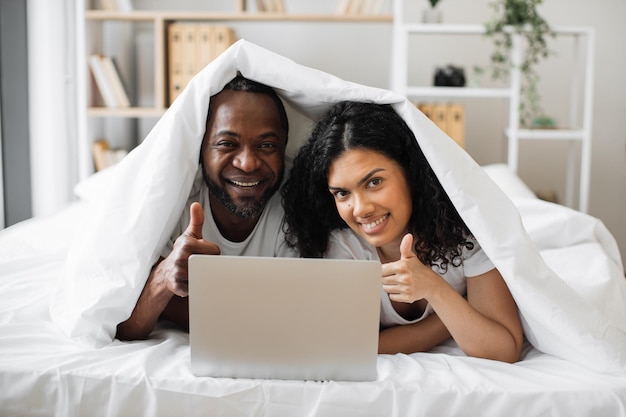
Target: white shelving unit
578, 135
94, 35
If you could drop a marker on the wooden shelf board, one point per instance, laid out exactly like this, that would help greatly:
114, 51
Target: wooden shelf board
246, 16
125, 112
550, 134
458, 92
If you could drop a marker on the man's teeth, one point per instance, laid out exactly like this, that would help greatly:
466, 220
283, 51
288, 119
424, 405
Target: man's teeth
245, 184
376, 222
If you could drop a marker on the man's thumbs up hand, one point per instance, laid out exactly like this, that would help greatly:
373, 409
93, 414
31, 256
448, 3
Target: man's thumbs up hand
174, 268
196, 221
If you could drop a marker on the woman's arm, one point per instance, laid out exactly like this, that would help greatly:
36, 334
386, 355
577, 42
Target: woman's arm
415, 337
485, 325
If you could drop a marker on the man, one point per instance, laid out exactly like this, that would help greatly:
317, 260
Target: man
233, 207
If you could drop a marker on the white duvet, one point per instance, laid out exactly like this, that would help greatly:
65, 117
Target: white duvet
577, 314
44, 373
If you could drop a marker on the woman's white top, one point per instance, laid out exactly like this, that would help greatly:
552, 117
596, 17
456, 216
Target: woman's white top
345, 244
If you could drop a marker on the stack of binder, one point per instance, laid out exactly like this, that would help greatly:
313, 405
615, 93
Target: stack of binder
448, 117
191, 46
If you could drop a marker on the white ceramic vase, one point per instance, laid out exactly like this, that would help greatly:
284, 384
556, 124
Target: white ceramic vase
432, 15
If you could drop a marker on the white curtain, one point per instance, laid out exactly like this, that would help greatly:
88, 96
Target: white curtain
52, 103
1, 177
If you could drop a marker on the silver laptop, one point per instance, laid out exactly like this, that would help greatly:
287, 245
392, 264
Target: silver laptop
284, 318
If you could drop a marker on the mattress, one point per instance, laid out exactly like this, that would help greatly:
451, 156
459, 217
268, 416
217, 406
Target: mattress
43, 372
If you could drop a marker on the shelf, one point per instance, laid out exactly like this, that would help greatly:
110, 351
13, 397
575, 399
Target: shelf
550, 134
580, 112
128, 33
458, 92
443, 29
125, 112
477, 29
195, 15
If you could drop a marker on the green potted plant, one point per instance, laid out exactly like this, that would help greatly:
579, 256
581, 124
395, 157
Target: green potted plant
432, 14
520, 17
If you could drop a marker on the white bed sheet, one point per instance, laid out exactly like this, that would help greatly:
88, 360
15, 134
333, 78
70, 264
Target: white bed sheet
44, 373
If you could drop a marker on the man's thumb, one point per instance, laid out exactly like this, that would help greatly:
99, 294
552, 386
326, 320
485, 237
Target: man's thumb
406, 247
196, 220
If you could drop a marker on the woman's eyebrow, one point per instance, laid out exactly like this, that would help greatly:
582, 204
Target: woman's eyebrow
361, 181
369, 175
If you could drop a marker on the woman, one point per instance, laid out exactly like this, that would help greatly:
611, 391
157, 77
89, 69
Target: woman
362, 188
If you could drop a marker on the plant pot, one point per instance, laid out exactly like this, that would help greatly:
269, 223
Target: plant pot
432, 15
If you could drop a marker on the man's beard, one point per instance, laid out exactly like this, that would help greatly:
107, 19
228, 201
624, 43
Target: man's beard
249, 209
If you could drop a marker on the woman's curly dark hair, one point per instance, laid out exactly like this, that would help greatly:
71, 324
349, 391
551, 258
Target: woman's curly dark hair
439, 232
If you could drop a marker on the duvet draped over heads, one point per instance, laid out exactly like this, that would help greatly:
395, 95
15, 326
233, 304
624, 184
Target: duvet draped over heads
580, 319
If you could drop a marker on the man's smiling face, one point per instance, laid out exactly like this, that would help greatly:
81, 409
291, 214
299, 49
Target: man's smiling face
243, 152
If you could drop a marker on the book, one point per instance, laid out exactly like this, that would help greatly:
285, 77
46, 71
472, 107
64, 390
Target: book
455, 114
372, 7
99, 149
175, 61
189, 49
427, 109
278, 6
102, 80
224, 38
124, 5
342, 7
110, 69
116, 5
205, 42
272, 6
109, 5
104, 156
355, 7
359, 7
439, 116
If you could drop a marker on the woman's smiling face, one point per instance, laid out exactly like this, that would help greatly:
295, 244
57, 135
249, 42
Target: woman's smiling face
372, 195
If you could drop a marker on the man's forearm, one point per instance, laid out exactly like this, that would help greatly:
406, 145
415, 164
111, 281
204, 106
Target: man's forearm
177, 311
151, 303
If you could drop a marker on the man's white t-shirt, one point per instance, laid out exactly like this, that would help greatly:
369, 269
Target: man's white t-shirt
345, 244
267, 238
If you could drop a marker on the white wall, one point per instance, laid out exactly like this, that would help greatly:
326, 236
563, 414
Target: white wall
544, 167
361, 52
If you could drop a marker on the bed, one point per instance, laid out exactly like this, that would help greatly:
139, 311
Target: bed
57, 356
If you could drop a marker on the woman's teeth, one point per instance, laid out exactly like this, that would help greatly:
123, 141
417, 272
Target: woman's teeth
376, 222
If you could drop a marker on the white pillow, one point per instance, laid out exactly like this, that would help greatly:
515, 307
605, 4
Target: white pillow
508, 181
95, 184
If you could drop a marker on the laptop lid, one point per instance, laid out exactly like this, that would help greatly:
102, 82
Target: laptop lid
284, 318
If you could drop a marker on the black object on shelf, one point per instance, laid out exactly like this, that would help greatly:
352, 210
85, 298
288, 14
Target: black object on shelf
449, 76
